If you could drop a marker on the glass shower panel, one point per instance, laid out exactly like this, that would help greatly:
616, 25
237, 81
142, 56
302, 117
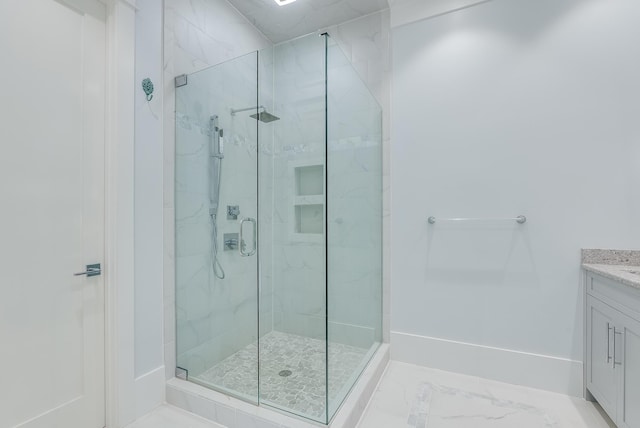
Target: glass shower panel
354, 225
216, 233
266, 214
293, 290
282, 311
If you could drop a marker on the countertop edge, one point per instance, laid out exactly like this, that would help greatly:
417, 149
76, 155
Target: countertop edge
615, 273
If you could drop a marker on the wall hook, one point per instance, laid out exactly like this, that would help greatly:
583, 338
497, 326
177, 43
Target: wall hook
147, 87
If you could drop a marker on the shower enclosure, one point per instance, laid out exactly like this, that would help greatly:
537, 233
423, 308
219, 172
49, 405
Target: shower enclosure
279, 227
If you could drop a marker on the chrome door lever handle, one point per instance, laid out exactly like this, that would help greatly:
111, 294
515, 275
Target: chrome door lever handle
92, 270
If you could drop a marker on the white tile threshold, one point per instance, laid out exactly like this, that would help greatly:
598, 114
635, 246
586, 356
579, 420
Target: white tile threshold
234, 413
167, 416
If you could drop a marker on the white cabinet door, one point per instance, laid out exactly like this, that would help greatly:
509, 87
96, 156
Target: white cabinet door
601, 374
628, 357
52, 213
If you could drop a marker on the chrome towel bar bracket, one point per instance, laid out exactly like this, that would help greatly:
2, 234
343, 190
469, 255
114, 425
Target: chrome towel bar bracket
520, 219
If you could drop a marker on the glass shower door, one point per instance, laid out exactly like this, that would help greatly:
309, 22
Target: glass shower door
354, 225
216, 229
278, 227
293, 346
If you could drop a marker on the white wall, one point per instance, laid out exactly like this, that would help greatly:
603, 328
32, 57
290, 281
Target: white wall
148, 194
148, 293
407, 11
505, 108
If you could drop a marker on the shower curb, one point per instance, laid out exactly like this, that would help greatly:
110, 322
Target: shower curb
234, 413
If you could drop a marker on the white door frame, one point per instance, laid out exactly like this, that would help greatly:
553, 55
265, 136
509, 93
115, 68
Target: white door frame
119, 194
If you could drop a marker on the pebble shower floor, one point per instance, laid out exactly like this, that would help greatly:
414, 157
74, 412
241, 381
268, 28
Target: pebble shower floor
303, 390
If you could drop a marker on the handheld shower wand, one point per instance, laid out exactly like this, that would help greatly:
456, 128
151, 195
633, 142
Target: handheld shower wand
217, 140
216, 154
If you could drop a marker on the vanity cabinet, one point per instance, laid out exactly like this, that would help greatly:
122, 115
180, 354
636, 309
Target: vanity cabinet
629, 402
613, 348
601, 372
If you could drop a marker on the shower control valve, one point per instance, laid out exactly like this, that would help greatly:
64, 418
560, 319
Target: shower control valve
230, 241
233, 211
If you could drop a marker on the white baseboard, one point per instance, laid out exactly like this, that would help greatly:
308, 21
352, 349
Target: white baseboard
150, 391
519, 368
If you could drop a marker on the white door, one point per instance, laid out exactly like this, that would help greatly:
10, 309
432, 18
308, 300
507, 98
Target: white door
52, 98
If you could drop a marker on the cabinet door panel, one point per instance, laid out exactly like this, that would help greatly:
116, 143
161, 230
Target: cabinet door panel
601, 375
628, 353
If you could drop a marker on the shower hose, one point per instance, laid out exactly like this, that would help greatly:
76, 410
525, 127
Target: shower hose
218, 271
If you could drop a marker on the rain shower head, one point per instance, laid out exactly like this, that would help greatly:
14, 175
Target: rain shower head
265, 117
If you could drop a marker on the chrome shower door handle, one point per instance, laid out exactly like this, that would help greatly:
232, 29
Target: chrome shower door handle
243, 244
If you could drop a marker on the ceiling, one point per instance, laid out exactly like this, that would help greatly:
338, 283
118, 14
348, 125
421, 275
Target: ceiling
281, 23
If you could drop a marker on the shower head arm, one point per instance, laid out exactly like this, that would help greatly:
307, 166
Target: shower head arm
240, 110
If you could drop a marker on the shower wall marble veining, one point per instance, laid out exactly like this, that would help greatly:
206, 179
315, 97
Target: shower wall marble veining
299, 260
354, 206
215, 317
317, 169
366, 44
299, 255
200, 33
197, 34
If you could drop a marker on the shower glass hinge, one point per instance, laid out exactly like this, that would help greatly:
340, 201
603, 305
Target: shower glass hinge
181, 80
182, 373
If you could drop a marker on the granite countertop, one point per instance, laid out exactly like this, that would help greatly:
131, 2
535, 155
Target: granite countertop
620, 265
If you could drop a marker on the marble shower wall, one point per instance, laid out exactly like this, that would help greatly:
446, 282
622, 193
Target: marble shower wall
215, 317
198, 34
266, 183
298, 250
354, 196
354, 205
366, 44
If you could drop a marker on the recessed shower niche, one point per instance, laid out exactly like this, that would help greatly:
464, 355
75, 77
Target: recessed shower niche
308, 198
309, 180
293, 137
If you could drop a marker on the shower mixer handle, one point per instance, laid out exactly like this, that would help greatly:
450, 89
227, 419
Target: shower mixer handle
243, 244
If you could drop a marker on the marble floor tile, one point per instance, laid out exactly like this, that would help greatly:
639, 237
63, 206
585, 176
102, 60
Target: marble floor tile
167, 416
410, 396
